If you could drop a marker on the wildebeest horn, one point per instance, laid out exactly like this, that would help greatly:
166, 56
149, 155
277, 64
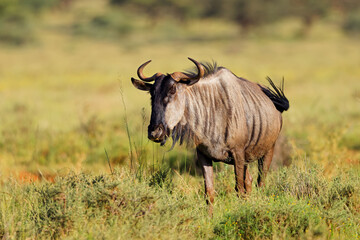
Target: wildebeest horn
188, 78
200, 68
141, 75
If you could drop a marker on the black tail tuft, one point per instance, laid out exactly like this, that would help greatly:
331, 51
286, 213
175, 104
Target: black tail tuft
277, 95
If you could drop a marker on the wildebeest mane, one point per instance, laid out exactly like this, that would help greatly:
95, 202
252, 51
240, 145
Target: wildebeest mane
276, 95
209, 67
181, 134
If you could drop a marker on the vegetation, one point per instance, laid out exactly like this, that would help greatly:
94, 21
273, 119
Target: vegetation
352, 23
19, 19
16, 19
297, 203
247, 14
74, 155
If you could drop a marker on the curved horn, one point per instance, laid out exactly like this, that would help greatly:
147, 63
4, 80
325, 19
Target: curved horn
200, 67
141, 75
187, 78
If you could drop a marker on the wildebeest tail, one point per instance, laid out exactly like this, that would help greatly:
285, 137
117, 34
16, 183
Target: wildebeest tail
276, 95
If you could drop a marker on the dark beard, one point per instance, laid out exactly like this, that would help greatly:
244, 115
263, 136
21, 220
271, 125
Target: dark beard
181, 134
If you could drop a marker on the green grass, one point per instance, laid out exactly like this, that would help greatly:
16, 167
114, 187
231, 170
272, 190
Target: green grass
62, 121
297, 203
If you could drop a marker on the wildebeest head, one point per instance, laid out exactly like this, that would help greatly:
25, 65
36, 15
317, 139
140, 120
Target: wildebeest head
167, 103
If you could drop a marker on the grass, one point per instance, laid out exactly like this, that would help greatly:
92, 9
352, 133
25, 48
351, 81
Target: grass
68, 171
296, 203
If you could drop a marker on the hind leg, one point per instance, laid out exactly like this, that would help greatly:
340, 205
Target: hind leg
240, 171
248, 180
263, 166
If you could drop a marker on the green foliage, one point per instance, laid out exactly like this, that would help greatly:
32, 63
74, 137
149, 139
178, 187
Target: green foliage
118, 205
309, 9
250, 14
157, 10
162, 179
36, 6
17, 18
247, 14
111, 25
31, 6
346, 6
79, 205
284, 217
15, 27
352, 23
313, 209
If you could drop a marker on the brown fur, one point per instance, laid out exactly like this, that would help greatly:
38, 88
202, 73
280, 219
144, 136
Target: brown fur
231, 120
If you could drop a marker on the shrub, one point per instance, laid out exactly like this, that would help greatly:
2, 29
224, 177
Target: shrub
162, 179
296, 203
253, 220
16, 18
83, 206
352, 23
111, 25
15, 28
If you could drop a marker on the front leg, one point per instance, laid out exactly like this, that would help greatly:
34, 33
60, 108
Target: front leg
208, 173
240, 171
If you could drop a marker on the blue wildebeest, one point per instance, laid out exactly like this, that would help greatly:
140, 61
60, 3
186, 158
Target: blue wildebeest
229, 118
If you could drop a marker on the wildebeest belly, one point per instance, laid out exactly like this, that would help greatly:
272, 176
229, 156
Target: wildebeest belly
218, 153
256, 153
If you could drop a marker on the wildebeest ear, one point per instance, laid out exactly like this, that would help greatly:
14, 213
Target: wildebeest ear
141, 85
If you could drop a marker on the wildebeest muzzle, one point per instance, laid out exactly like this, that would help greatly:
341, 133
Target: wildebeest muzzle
156, 133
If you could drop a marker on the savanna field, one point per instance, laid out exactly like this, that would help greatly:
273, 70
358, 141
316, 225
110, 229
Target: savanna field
75, 161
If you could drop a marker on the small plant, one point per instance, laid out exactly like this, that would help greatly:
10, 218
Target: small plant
162, 179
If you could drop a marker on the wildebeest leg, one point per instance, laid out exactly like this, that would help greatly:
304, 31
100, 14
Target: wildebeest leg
263, 166
240, 171
248, 180
208, 173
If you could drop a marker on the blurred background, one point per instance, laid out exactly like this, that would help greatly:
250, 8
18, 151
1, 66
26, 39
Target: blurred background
65, 69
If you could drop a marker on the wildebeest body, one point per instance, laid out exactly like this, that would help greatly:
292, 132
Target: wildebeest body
229, 119
225, 112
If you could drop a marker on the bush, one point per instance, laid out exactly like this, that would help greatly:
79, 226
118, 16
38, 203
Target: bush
83, 206
296, 203
352, 23
161, 179
111, 25
252, 221
16, 29
36, 6
16, 18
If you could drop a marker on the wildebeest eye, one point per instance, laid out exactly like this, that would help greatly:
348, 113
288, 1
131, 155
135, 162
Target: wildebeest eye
172, 89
